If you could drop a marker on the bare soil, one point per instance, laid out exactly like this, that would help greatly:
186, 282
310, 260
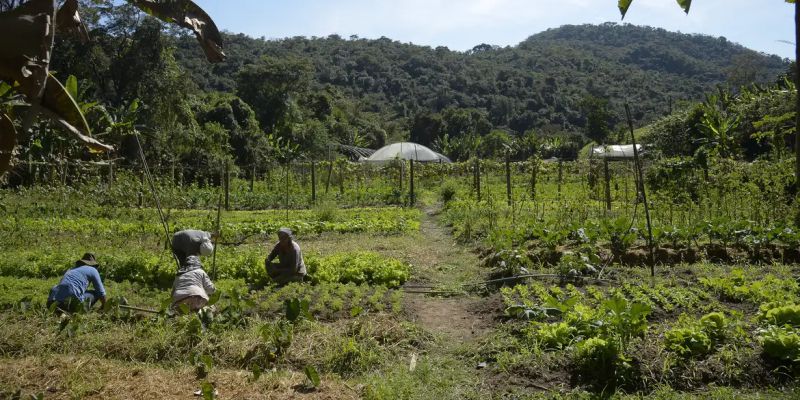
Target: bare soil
463, 317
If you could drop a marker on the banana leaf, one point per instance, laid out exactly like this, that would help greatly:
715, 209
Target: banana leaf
60, 106
187, 14
68, 20
26, 36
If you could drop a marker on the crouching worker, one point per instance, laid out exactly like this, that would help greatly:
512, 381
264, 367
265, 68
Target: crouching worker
72, 292
192, 285
290, 267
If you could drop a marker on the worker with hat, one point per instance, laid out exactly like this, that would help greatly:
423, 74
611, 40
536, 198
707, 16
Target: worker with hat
290, 266
73, 292
192, 285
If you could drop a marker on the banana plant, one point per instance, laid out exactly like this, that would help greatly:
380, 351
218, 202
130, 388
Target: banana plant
27, 34
686, 4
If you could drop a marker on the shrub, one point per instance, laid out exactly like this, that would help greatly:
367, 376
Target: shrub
447, 191
326, 211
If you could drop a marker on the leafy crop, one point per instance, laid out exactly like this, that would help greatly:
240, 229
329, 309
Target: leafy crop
781, 344
780, 314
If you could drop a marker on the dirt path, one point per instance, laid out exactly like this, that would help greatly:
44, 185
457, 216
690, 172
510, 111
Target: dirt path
446, 264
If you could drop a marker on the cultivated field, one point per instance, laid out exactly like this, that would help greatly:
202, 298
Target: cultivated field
546, 290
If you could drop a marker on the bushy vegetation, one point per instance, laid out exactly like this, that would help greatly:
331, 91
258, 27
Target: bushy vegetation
720, 306
550, 94
653, 330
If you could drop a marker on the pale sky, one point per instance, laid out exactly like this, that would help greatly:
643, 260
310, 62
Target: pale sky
462, 24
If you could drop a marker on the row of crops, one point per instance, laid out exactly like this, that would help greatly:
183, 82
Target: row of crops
342, 322
735, 328
248, 264
131, 244
234, 226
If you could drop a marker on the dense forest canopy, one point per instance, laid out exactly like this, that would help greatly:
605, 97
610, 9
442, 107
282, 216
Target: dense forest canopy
538, 84
290, 98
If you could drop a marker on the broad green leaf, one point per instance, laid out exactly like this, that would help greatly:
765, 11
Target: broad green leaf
616, 304
685, 4
623, 7
312, 375
72, 87
8, 140
214, 298
639, 310
60, 106
292, 308
4, 88
85, 107
304, 310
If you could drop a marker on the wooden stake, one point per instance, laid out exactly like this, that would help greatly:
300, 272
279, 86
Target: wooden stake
341, 178
330, 171
313, 182
411, 198
252, 178
608, 184
216, 239
534, 177
560, 176
478, 178
644, 194
508, 178
226, 184
286, 202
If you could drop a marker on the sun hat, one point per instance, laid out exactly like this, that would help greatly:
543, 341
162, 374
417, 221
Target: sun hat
87, 259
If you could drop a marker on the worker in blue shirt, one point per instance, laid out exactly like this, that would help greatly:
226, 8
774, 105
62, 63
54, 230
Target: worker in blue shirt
72, 292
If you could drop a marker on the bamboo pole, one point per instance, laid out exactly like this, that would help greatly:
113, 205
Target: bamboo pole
478, 178
217, 234
608, 184
411, 198
313, 182
644, 194
227, 186
508, 178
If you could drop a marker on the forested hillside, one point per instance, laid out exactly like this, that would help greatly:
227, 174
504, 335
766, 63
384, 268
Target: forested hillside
543, 83
289, 98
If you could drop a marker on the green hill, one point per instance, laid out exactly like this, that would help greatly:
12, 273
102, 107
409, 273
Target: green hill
538, 84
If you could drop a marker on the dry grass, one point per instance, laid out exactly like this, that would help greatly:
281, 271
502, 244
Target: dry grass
68, 377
